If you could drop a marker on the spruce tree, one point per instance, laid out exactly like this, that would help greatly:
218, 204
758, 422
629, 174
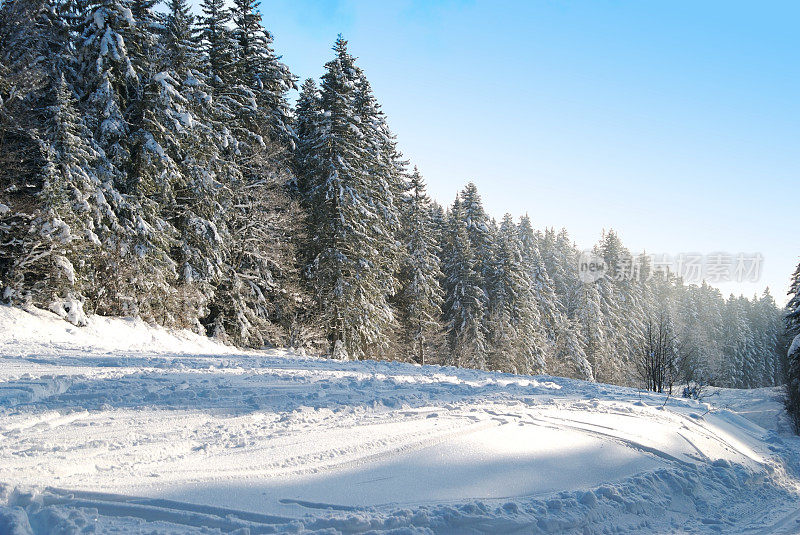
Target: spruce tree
218, 43
351, 219
54, 208
109, 81
569, 355
308, 117
420, 296
516, 339
465, 300
792, 320
255, 293
768, 331
589, 316
180, 37
259, 69
478, 230
51, 265
792, 316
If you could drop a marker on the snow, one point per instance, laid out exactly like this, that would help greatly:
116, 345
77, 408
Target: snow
795, 347
69, 308
119, 426
100, 19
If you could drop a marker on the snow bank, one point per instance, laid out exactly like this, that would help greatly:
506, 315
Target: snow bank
25, 330
123, 427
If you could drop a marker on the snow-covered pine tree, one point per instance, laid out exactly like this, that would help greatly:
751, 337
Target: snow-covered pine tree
180, 38
589, 316
569, 355
352, 276
133, 106
256, 299
142, 44
108, 80
768, 333
516, 339
711, 305
621, 311
260, 70
52, 207
792, 320
25, 43
386, 171
438, 227
34, 42
792, 315
552, 320
240, 207
180, 152
478, 230
560, 259
420, 296
502, 287
689, 330
736, 336
465, 299
50, 264
307, 121
217, 43
752, 364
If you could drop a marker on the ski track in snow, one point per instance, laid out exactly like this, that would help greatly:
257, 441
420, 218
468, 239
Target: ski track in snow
124, 428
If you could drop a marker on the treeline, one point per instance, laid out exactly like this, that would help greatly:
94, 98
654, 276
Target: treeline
792, 319
151, 165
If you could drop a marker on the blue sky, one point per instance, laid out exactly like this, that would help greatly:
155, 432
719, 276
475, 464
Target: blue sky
676, 123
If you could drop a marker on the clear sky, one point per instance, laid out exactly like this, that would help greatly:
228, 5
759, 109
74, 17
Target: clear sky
676, 123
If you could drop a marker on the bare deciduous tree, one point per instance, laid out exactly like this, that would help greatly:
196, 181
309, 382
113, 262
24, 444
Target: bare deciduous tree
662, 355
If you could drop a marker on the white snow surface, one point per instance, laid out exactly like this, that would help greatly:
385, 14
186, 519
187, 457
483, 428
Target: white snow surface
121, 427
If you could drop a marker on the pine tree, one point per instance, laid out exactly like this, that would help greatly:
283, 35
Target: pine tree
768, 332
465, 300
570, 358
589, 316
256, 295
420, 296
260, 70
516, 339
179, 155
560, 261
792, 322
553, 321
351, 219
792, 316
386, 174
736, 336
52, 208
180, 38
245, 203
621, 310
62, 228
308, 118
217, 42
478, 230
109, 80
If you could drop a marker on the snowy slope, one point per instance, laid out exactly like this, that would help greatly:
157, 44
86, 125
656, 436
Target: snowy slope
121, 427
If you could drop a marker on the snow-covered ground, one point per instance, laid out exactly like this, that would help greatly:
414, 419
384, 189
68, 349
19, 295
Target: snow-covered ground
119, 427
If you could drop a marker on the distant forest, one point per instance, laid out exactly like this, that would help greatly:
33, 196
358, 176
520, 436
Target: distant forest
152, 165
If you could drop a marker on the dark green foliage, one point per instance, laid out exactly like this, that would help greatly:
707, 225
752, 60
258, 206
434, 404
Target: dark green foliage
150, 165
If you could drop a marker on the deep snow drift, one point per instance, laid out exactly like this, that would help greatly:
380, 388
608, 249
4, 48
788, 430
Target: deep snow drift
121, 427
